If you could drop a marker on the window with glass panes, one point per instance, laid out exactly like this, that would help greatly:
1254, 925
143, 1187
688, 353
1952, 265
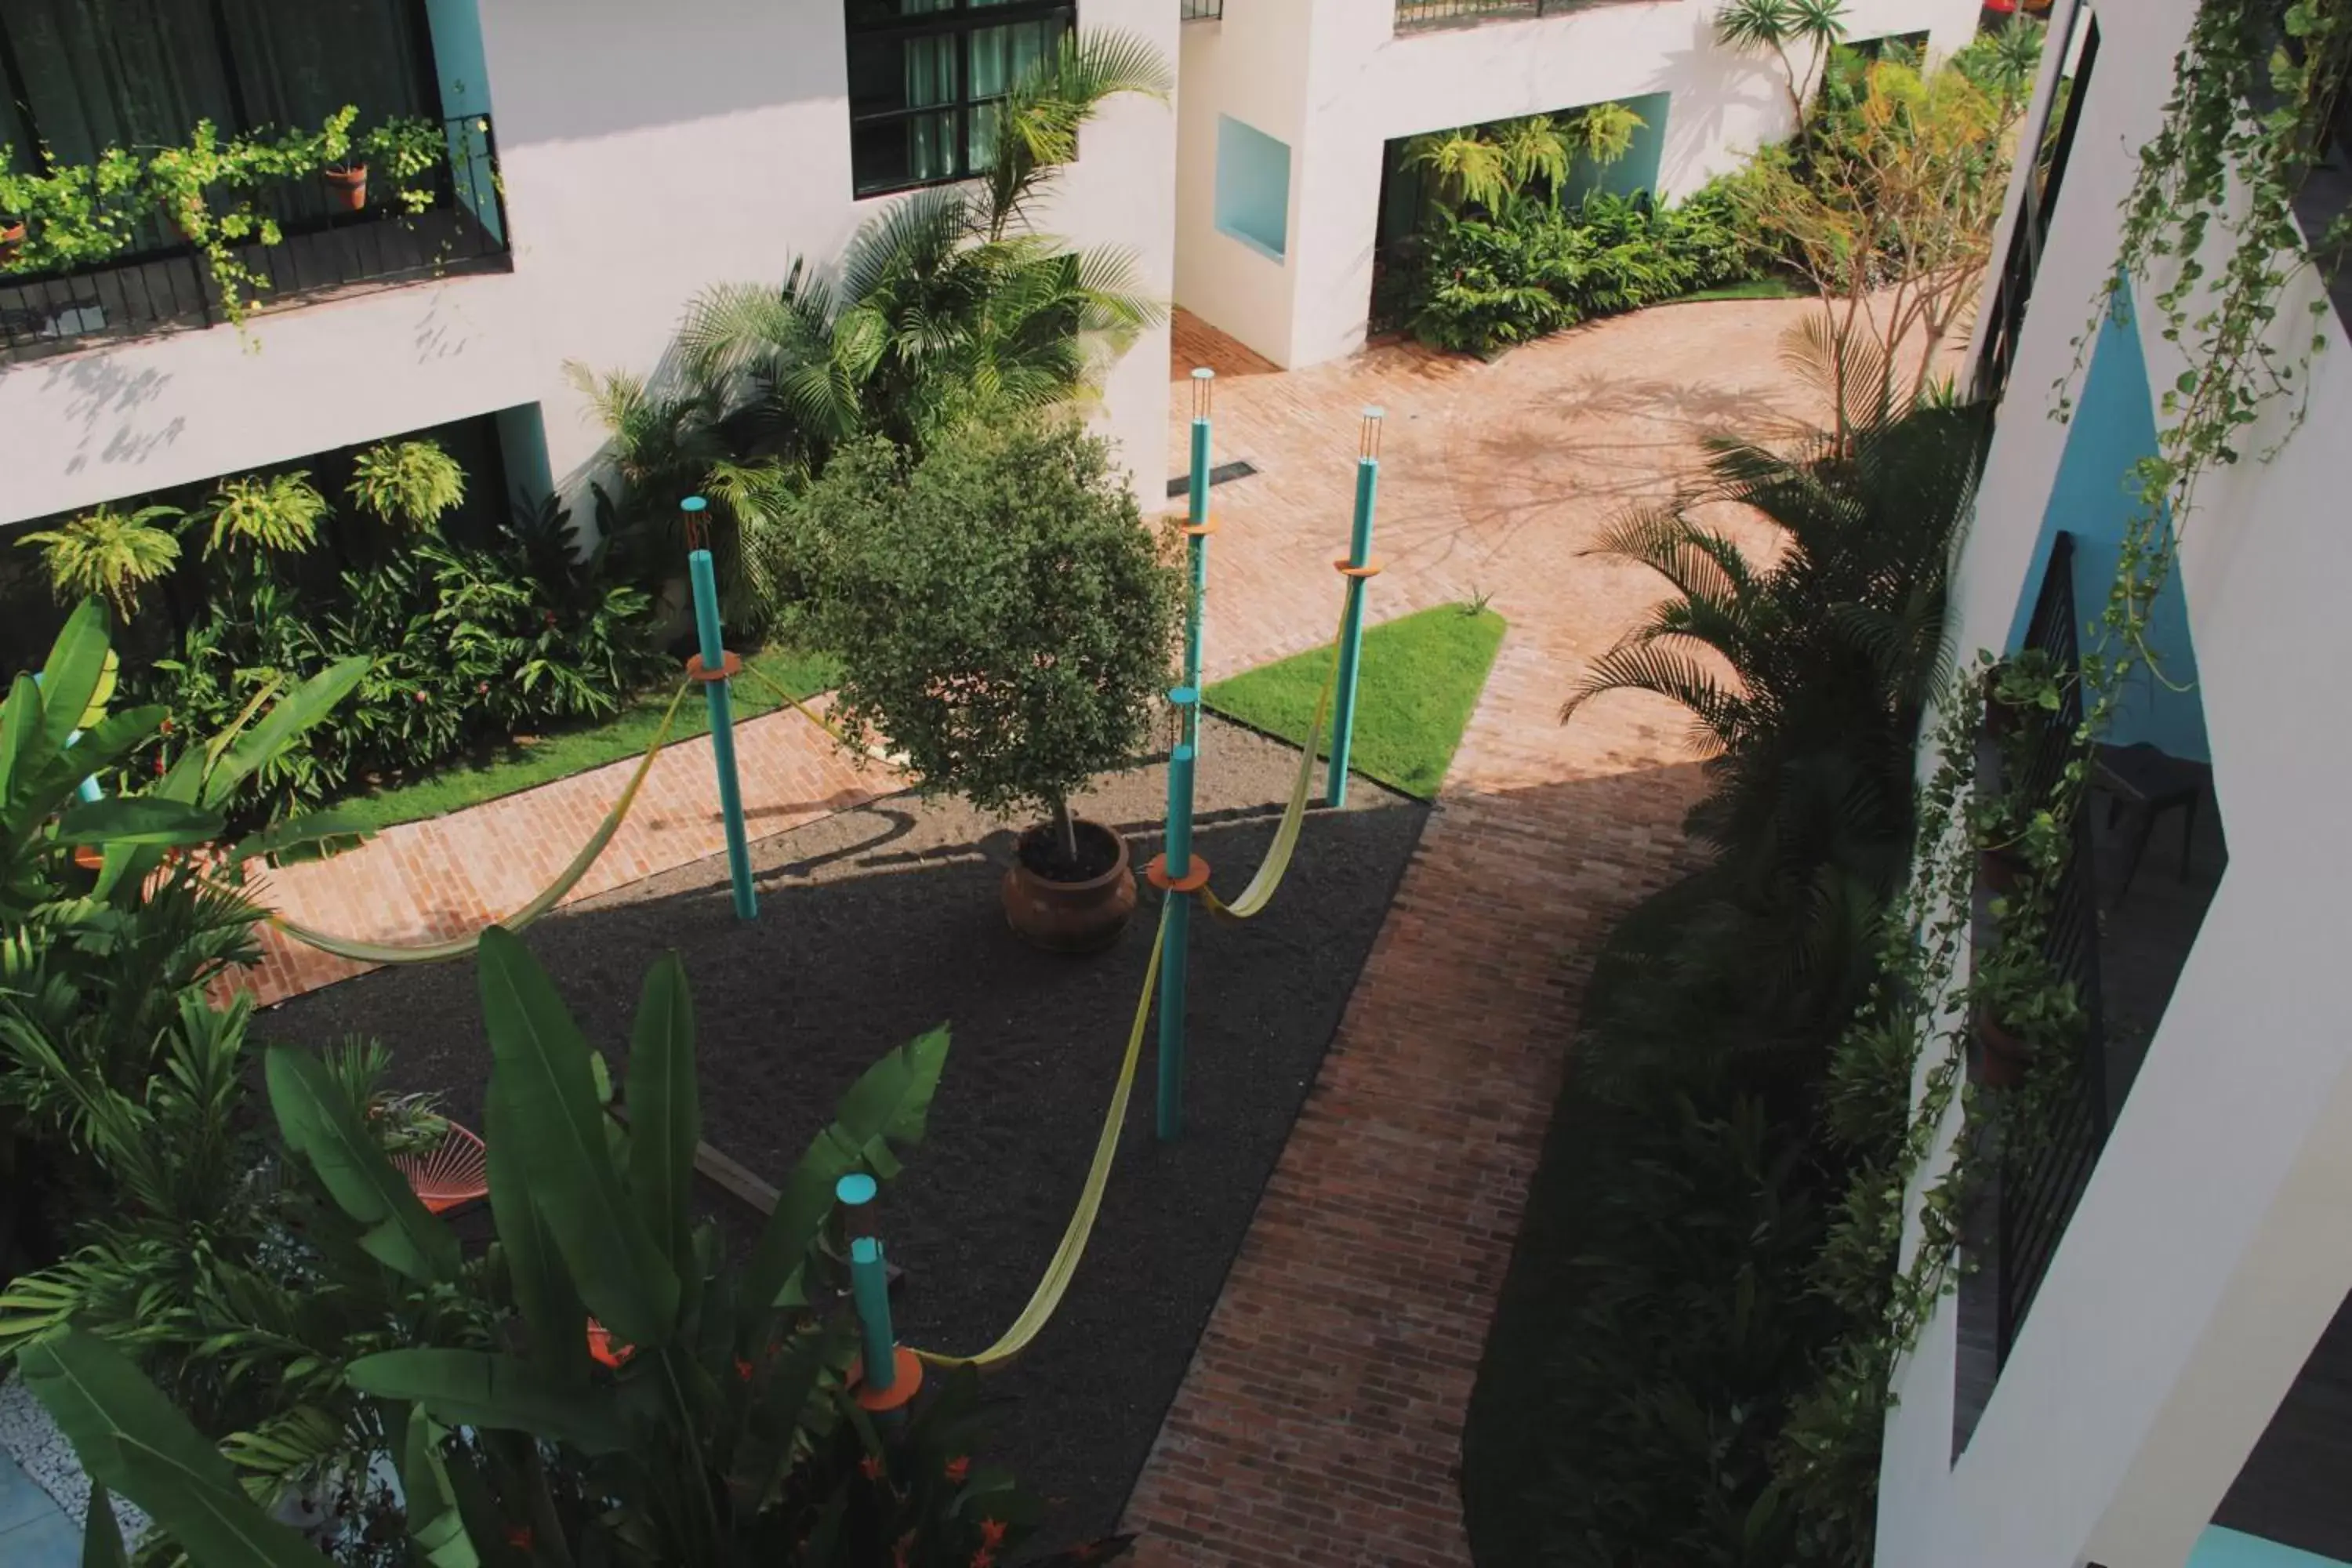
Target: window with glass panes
923, 78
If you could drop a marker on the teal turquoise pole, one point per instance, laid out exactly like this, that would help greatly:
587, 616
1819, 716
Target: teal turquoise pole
722, 715
869, 1285
1178, 864
1359, 567
1197, 549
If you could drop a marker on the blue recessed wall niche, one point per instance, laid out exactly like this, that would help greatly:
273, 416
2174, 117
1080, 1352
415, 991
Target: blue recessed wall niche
2093, 498
1253, 188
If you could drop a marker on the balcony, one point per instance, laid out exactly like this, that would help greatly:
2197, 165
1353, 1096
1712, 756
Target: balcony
321, 256
2123, 915
1420, 15
1203, 10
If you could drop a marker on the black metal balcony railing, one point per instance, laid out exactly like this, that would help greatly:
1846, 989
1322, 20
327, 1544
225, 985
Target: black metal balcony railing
1204, 10
166, 285
2042, 1178
1416, 14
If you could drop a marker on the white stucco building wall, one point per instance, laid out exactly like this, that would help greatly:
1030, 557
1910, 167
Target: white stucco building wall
646, 152
2214, 1241
1337, 81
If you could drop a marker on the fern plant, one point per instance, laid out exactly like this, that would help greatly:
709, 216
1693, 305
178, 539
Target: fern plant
280, 512
413, 484
109, 554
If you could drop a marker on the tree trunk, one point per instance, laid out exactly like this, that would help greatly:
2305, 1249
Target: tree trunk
1065, 827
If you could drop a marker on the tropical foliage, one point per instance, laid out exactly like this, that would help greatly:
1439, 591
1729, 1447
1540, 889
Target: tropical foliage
1483, 284
413, 484
1798, 34
1689, 1194
1004, 618
599, 1387
945, 304
108, 553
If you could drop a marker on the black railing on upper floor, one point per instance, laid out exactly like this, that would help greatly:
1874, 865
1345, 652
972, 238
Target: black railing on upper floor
1203, 10
1412, 14
167, 285
2043, 1178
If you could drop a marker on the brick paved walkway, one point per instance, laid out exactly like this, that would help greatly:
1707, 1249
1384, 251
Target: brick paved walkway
425, 881
1321, 1420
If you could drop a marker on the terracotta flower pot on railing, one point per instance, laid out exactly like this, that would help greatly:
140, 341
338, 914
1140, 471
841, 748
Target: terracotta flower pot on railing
346, 186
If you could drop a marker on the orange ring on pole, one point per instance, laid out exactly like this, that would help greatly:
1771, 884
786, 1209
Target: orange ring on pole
1201, 530
1192, 882
731, 665
905, 1383
1349, 569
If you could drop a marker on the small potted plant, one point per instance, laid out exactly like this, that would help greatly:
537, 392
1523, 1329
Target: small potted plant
2020, 1005
1007, 622
346, 183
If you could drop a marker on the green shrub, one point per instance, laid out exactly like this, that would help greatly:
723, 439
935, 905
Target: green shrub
467, 644
1483, 284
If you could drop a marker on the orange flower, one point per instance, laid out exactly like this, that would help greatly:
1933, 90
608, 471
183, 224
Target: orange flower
520, 1538
959, 1467
992, 1531
870, 1466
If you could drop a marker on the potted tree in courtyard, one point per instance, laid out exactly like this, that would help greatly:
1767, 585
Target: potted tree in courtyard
1006, 622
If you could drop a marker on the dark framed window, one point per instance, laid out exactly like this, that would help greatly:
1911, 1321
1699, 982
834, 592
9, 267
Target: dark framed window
924, 76
81, 76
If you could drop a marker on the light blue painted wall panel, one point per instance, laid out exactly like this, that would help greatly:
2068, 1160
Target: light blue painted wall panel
1253, 188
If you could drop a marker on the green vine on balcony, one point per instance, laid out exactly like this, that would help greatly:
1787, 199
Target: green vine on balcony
208, 191
2254, 94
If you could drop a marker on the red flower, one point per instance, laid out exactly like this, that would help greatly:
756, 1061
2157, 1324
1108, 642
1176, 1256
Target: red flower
167, 726
420, 694
481, 689
159, 764
520, 1538
743, 1369
870, 1466
992, 1531
959, 1467
983, 1558
550, 616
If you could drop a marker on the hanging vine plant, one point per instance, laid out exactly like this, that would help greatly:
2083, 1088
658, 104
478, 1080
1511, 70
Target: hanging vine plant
2212, 238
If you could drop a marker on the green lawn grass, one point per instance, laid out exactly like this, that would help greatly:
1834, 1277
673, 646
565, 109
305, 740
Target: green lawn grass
1772, 287
561, 754
1419, 677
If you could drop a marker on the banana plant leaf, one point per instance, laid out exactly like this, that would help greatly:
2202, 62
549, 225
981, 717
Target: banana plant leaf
549, 1303
436, 1528
887, 1106
101, 1534
299, 836
132, 1441
287, 718
324, 1126
496, 1393
138, 819
548, 1099
79, 660
665, 1114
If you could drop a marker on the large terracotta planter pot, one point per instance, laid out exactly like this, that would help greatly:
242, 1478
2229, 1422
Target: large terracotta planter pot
1069, 917
12, 238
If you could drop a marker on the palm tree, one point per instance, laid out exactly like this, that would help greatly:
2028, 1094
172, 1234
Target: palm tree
1758, 27
942, 305
1805, 678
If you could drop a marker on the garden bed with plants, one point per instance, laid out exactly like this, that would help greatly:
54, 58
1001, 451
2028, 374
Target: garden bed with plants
884, 922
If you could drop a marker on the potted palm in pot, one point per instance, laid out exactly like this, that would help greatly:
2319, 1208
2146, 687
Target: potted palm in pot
1007, 623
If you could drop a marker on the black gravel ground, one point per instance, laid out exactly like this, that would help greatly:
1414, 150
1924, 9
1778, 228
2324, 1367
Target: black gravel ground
877, 924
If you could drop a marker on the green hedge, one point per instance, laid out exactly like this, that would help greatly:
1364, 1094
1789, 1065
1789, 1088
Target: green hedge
1481, 284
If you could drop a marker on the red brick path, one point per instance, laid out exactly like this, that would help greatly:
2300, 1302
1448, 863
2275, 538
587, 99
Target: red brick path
1321, 1420
426, 882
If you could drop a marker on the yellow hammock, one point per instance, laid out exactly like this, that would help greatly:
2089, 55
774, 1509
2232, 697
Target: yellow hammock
546, 899
1254, 898
1063, 1265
